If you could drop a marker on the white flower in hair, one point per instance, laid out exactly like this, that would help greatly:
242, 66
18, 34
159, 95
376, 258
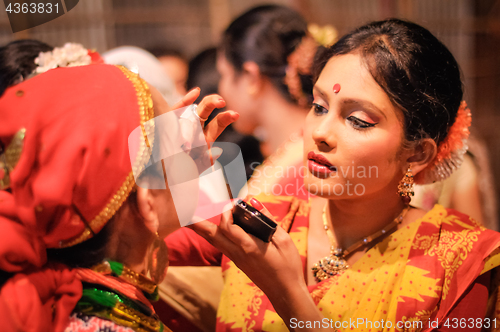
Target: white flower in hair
70, 55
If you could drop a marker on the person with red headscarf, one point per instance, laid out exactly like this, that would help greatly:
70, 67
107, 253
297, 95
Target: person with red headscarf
78, 235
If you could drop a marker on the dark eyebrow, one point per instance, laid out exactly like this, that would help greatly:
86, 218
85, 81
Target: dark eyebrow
319, 91
360, 102
364, 104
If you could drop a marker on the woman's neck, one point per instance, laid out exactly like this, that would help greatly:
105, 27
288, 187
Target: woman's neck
280, 119
130, 242
354, 219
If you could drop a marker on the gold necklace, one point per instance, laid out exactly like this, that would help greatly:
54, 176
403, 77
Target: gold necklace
336, 263
130, 276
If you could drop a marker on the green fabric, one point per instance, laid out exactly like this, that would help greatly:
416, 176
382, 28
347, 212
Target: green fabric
95, 298
153, 296
116, 267
101, 297
100, 302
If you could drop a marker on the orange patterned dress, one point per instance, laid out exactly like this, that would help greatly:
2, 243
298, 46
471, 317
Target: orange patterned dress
423, 277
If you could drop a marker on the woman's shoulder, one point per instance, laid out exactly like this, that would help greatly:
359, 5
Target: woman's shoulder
451, 220
449, 234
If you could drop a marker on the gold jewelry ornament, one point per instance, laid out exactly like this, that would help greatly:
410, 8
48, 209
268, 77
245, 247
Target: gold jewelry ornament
336, 263
405, 187
130, 276
129, 317
158, 260
10, 157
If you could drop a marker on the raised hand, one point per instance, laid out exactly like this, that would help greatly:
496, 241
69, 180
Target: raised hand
275, 267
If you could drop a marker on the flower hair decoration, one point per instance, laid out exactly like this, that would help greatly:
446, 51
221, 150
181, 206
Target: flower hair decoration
300, 62
301, 59
451, 151
70, 55
325, 35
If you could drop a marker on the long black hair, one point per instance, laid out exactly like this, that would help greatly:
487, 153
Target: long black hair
416, 70
17, 61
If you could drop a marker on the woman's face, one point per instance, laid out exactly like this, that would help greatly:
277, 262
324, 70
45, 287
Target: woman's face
353, 137
234, 88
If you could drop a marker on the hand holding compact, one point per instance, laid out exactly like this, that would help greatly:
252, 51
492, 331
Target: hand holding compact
274, 266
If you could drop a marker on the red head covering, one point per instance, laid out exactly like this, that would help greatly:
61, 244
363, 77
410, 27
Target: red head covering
73, 172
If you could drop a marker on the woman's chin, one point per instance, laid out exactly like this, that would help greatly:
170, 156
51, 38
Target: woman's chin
333, 188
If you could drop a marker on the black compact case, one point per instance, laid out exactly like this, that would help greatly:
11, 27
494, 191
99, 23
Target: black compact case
253, 222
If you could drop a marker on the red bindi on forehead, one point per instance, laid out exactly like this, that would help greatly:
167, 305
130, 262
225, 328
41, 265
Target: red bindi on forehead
336, 88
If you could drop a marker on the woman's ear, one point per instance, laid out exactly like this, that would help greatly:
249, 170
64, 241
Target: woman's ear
145, 203
423, 154
254, 77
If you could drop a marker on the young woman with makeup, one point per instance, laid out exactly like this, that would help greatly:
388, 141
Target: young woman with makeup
387, 113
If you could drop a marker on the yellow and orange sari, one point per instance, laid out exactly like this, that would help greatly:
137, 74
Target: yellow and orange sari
414, 280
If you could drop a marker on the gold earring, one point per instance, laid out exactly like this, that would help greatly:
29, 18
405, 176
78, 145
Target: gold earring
405, 187
158, 260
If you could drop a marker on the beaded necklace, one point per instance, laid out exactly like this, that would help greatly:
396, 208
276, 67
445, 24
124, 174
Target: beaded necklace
336, 263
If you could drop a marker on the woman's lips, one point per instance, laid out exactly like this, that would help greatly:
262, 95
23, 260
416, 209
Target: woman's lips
319, 165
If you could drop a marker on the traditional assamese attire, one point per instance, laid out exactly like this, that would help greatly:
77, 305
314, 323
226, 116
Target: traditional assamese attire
427, 271
65, 171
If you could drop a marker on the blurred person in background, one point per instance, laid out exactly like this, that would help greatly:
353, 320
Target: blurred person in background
203, 74
194, 292
147, 66
263, 66
175, 66
265, 61
260, 51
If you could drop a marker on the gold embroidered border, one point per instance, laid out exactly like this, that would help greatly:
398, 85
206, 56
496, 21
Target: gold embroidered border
134, 319
451, 251
143, 283
146, 113
10, 157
